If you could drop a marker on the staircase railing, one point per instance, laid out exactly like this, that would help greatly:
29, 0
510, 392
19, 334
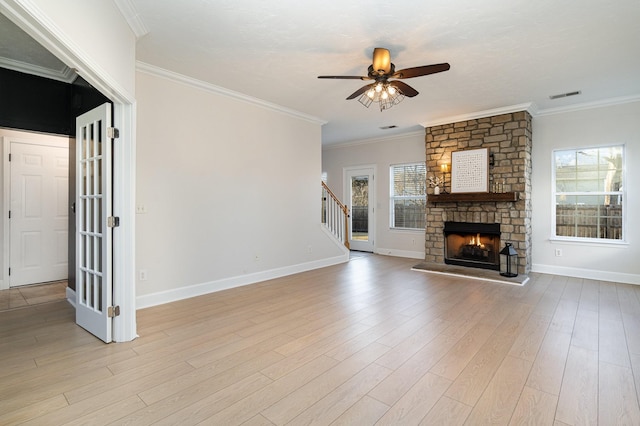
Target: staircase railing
335, 215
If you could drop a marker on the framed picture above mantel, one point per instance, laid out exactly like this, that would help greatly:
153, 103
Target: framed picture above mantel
470, 171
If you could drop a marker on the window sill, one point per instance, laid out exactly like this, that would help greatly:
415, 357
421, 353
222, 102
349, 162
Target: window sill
589, 242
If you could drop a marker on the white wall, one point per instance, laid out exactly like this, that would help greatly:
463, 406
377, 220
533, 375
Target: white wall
617, 124
231, 192
383, 153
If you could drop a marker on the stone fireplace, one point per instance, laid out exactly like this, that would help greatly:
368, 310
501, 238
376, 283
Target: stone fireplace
508, 138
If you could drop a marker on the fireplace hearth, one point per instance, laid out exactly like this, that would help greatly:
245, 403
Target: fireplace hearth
475, 245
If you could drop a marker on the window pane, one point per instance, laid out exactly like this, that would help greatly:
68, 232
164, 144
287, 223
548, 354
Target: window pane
408, 195
589, 216
360, 191
597, 169
565, 162
598, 172
588, 171
611, 168
360, 207
409, 213
409, 180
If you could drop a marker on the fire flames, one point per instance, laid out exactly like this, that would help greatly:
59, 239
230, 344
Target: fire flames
475, 241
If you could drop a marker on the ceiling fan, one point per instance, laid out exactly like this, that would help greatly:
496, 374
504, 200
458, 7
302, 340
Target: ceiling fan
387, 93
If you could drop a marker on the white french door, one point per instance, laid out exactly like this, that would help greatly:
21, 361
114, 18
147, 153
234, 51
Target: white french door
360, 190
94, 287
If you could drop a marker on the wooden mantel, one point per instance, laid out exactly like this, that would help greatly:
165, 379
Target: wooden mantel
472, 197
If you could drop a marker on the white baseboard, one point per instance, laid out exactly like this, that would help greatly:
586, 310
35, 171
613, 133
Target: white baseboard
71, 296
173, 295
617, 277
401, 253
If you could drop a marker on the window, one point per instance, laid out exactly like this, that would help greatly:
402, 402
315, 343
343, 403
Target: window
408, 196
589, 193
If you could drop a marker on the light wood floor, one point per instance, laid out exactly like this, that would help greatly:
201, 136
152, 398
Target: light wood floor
368, 342
29, 295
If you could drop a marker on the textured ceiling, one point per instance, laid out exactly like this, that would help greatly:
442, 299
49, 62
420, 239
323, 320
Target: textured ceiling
20, 52
502, 53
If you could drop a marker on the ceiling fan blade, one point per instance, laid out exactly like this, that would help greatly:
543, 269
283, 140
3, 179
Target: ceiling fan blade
346, 77
360, 91
420, 71
406, 90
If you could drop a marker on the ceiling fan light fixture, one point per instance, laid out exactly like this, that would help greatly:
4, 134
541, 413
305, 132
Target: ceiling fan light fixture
365, 100
391, 100
386, 97
386, 93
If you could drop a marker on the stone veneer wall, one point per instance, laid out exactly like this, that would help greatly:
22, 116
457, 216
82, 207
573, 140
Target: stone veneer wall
508, 137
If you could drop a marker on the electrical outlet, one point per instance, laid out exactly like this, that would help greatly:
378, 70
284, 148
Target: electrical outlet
558, 252
257, 258
143, 274
141, 209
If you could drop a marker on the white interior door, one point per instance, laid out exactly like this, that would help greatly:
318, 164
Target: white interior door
360, 190
39, 213
94, 287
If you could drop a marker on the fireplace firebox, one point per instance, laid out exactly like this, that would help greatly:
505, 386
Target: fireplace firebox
475, 245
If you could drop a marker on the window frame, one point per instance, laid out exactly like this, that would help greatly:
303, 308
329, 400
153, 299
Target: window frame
622, 193
393, 197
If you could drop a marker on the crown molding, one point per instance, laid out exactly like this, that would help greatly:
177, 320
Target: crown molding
529, 107
208, 87
65, 74
589, 105
369, 141
533, 109
133, 18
